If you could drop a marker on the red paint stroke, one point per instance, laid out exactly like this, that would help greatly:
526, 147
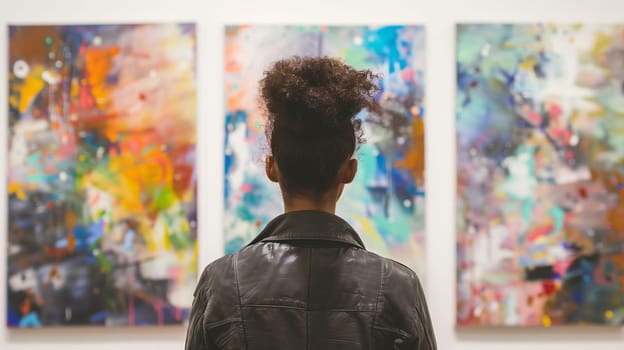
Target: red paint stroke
549, 288
231, 65
183, 178
561, 266
86, 99
554, 110
567, 218
570, 154
95, 199
582, 192
83, 48
534, 117
539, 232
561, 134
132, 146
246, 188
408, 75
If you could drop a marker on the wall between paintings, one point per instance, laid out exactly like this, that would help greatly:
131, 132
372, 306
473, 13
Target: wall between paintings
439, 16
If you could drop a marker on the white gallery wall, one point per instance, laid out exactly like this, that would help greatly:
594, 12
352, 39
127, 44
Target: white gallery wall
439, 16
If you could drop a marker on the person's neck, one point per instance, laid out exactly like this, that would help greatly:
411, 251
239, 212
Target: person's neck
302, 203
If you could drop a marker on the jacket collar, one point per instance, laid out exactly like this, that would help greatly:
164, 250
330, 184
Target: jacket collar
309, 225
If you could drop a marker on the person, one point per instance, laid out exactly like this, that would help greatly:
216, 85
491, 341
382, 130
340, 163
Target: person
306, 281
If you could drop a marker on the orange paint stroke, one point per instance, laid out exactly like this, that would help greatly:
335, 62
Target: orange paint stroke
132, 179
235, 101
99, 63
415, 157
616, 214
231, 65
70, 220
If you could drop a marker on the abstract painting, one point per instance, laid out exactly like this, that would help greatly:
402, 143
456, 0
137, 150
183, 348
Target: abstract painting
386, 203
101, 175
540, 142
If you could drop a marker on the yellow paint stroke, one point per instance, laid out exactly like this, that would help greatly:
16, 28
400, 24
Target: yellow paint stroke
602, 43
33, 84
195, 254
166, 242
17, 189
546, 321
13, 101
74, 88
369, 230
528, 64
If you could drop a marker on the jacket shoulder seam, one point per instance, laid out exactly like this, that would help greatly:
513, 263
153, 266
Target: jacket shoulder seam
379, 293
240, 302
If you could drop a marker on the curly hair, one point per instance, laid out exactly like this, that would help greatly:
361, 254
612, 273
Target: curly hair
311, 104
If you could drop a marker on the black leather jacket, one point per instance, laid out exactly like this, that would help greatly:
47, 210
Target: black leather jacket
306, 282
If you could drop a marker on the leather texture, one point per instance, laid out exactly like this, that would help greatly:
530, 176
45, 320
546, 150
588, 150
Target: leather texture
307, 282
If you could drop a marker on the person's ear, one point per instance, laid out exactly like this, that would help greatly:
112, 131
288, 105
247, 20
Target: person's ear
348, 171
270, 168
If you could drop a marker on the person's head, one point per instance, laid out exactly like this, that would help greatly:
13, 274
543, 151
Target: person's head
311, 106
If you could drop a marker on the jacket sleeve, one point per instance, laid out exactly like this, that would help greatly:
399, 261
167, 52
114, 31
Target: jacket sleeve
403, 311
196, 337
426, 339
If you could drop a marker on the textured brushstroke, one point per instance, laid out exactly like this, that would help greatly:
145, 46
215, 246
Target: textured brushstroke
101, 175
540, 129
386, 202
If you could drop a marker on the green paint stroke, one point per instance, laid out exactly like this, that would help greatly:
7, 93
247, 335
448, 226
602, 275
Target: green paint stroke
558, 216
164, 198
357, 57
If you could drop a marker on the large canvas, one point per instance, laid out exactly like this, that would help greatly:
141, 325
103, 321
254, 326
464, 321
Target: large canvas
386, 202
101, 175
540, 131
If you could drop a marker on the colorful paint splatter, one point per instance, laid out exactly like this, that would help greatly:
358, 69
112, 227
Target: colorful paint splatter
101, 175
540, 128
386, 202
